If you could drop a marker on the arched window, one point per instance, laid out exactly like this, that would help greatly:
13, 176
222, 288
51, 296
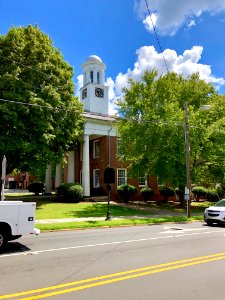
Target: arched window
92, 76
98, 77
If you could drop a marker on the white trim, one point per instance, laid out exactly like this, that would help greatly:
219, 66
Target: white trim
71, 164
86, 167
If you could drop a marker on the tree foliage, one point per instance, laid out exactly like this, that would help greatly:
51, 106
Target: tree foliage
43, 119
152, 124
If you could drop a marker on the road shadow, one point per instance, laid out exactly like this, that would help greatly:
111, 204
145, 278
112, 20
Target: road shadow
214, 225
14, 247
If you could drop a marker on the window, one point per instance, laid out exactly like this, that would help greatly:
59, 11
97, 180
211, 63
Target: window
142, 181
98, 77
84, 93
92, 76
96, 178
121, 176
96, 149
117, 146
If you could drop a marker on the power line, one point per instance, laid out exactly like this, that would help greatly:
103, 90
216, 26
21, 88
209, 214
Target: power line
156, 35
156, 122
35, 105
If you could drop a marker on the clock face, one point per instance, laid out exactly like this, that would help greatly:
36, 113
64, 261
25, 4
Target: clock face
99, 92
84, 93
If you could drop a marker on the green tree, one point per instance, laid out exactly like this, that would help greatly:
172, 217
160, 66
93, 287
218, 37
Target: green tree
43, 118
152, 124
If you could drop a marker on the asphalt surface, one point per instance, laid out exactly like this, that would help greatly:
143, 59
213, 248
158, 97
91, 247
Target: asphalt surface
165, 262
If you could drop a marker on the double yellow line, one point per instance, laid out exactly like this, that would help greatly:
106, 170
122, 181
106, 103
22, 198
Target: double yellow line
110, 278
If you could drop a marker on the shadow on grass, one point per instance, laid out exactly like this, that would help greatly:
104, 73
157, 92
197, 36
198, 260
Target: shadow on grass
53, 207
40, 200
100, 210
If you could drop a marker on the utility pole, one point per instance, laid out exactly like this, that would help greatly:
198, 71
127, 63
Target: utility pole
188, 179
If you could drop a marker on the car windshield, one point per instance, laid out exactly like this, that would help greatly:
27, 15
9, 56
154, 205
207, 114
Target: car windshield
220, 203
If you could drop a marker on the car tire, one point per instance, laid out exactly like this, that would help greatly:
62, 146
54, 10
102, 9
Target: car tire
3, 240
209, 222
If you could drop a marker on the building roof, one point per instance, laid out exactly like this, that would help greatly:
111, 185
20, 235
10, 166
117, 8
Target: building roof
93, 58
95, 116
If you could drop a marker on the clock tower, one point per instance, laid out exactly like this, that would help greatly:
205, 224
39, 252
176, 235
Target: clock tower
94, 94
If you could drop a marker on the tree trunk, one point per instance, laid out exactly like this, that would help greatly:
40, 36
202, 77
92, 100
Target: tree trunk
181, 195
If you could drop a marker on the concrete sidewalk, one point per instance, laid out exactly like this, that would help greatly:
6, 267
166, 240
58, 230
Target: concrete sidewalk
51, 221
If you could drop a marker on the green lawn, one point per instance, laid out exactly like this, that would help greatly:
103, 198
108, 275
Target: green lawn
79, 210
49, 208
46, 208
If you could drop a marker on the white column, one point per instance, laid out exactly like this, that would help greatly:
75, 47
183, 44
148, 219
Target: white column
86, 167
58, 176
48, 180
71, 166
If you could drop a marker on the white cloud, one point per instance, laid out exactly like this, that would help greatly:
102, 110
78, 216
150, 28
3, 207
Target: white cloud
185, 64
148, 58
112, 106
150, 21
79, 84
170, 15
191, 23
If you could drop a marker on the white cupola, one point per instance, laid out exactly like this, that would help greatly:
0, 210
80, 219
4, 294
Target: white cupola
93, 93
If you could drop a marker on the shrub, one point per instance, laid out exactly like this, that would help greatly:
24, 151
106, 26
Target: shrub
166, 192
71, 192
147, 193
63, 188
98, 191
179, 191
212, 195
221, 192
199, 191
36, 187
125, 191
75, 193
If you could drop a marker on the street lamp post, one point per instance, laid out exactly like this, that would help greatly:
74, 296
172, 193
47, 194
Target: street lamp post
188, 177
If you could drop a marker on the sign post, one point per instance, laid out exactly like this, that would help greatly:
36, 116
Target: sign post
3, 177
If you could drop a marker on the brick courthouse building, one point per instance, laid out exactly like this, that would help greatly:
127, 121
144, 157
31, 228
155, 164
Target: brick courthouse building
87, 163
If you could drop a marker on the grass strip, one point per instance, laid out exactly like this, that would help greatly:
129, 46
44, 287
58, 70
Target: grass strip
114, 223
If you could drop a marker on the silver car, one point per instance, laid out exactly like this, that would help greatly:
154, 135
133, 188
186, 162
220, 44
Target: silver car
215, 213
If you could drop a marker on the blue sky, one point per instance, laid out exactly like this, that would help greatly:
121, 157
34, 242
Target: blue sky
191, 34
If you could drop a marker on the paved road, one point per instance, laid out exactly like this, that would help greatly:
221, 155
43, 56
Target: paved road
171, 261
